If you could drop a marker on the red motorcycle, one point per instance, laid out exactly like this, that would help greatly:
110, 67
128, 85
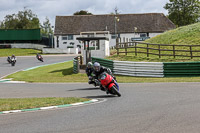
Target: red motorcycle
109, 83
39, 57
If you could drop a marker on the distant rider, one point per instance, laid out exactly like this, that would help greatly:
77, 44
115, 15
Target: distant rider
8, 59
89, 71
38, 56
13, 58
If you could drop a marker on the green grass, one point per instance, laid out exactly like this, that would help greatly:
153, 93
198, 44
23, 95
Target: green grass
63, 73
18, 52
7, 104
127, 79
151, 58
187, 35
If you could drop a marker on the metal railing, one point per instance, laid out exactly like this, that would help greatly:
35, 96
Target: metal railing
151, 69
141, 69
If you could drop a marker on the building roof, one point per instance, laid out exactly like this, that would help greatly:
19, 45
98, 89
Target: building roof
149, 22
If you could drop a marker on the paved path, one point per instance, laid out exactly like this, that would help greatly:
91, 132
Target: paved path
143, 108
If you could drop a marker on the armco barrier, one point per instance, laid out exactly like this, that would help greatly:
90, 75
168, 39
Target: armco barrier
151, 69
103, 62
182, 69
75, 66
142, 69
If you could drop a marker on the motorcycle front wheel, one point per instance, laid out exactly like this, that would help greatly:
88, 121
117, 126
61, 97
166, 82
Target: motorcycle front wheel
115, 90
12, 63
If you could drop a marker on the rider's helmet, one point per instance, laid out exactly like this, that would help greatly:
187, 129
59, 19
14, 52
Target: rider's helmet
96, 66
13, 56
89, 65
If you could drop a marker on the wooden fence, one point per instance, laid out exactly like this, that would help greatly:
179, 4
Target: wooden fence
158, 49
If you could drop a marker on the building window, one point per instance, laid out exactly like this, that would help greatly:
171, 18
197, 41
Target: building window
64, 38
92, 45
64, 42
90, 35
57, 42
113, 36
143, 35
70, 37
78, 46
70, 46
71, 43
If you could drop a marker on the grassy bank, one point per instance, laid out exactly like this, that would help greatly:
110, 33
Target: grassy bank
127, 79
151, 58
18, 52
29, 103
63, 73
57, 73
186, 35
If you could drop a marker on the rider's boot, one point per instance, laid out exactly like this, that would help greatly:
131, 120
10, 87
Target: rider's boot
102, 88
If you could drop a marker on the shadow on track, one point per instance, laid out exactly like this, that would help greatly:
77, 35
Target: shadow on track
101, 96
85, 89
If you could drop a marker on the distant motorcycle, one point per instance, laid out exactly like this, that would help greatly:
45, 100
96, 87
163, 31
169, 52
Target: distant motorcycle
39, 57
109, 83
13, 61
9, 59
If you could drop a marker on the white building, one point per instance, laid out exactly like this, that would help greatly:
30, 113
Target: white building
129, 26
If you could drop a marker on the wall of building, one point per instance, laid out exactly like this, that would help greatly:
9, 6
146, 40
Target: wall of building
73, 43
59, 51
102, 52
64, 44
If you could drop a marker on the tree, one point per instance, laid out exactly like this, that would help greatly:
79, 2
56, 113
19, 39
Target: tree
22, 20
82, 12
46, 27
183, 12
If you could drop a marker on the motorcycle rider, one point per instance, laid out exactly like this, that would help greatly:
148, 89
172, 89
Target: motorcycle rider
89, 71
39, 57
9, 59
13, 57
13, 60
98, 69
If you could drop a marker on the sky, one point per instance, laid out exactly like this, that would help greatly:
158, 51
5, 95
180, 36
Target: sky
53, 8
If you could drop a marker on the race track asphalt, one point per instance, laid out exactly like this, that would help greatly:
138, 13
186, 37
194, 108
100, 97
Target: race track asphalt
143, 107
